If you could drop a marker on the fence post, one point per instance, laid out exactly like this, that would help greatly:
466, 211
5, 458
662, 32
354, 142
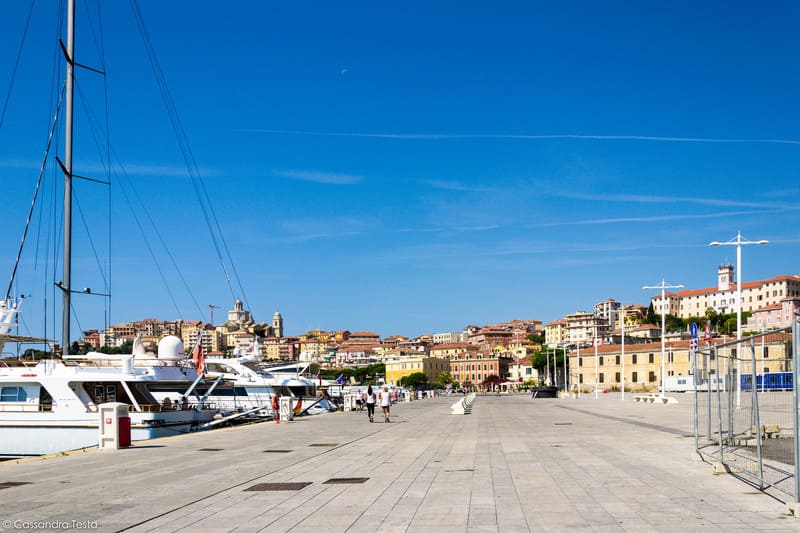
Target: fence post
696, 414
734, 383
719, 406
756, 414
708, 386
795, 406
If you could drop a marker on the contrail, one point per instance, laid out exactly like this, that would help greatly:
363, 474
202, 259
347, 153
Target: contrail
456, 136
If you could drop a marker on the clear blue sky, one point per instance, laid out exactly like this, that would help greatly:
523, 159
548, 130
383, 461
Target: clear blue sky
415, 167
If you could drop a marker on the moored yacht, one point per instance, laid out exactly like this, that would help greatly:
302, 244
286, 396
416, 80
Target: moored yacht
254, 387
52, 405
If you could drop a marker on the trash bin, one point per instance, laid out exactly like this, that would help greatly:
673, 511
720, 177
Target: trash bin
115, 426
286, 411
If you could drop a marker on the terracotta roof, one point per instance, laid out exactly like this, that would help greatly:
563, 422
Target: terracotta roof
452, 346
746, 285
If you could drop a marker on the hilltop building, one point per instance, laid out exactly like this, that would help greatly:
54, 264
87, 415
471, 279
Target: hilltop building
722, 298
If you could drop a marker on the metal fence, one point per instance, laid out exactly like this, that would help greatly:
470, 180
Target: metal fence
745, 416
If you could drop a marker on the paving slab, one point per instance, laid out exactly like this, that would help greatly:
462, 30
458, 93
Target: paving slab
514, 464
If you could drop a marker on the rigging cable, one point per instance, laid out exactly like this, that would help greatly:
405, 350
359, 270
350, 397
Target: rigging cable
16, 64
33, 202
191, 164
142, 207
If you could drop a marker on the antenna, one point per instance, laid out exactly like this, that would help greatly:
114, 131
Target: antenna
211, 308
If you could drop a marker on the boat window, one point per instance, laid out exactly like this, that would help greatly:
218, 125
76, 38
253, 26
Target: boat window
219, 367
252, 366
13, 394
111, 393
99, 394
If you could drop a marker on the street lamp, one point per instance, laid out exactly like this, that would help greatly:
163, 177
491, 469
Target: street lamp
738, 243
663, 286
622, 310
596, 367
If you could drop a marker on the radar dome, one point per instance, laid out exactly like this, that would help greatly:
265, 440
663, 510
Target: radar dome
170, 348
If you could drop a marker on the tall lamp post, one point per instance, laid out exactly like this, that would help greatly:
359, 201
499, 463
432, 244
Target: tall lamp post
738, 243
622, 310
565, 370
596, 367
663, 286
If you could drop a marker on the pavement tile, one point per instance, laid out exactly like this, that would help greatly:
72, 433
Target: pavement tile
505, 467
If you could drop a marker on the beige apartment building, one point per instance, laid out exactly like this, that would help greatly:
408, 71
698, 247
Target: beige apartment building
643, 362
556, 332
447, 351
722, 298
583, 327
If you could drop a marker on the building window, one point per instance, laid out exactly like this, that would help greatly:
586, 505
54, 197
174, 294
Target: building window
652, 376
617, 362
580, 378
602, 377
633, 360
766, 352
634, 377
651, 358
616, 377
600, 362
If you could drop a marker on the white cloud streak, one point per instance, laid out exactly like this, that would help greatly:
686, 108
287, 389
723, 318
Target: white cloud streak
656, 218
649, 199
510, 136
328, 178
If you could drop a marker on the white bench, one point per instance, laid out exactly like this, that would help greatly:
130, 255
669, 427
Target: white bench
463, 406
654, 398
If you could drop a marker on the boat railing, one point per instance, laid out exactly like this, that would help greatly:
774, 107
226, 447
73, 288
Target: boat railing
20, 407
12, 363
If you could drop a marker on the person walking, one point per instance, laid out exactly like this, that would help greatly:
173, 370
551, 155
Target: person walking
386, 402
370, 401
276, 409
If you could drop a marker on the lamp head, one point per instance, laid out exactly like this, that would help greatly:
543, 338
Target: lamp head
763, 242
715, 243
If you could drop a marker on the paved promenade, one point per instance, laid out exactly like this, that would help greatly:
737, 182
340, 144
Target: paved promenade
514, 464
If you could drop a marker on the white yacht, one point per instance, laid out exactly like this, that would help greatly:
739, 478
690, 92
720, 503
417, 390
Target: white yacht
254, 387
52, 405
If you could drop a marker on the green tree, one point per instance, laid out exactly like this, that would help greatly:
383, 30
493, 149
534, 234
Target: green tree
491, 381
651, 317
414, 381
445, 378
536, 338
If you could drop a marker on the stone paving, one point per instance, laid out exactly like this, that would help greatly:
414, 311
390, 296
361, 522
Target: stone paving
514, 464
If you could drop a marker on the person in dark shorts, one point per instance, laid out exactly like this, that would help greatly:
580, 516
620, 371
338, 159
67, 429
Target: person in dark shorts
370, 401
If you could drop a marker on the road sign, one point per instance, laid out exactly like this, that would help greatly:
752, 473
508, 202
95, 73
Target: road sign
708, 330
694, 330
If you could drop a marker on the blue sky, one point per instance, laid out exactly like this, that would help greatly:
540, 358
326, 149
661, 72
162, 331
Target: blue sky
409, 168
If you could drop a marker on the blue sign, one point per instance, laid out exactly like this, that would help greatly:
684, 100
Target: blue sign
694, 330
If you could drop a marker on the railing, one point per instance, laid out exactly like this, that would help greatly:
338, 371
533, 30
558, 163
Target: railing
24, 407
748, 423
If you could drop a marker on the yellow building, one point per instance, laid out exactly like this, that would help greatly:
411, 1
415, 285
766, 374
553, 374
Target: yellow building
643, 363
398, 367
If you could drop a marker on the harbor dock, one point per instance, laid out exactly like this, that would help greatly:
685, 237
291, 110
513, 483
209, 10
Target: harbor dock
513, 464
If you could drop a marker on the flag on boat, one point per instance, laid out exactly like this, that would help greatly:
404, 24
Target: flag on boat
340, 379
198, 355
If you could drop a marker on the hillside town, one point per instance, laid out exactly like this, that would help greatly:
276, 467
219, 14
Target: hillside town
508, 353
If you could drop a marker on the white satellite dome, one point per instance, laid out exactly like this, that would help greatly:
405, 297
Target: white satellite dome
170, 348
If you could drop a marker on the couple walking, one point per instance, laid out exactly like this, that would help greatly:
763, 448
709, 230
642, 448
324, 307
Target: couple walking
371, 399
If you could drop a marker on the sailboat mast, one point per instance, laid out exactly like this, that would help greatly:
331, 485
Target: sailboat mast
67, 281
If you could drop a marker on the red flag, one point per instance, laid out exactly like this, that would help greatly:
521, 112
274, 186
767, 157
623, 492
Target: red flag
198, 355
